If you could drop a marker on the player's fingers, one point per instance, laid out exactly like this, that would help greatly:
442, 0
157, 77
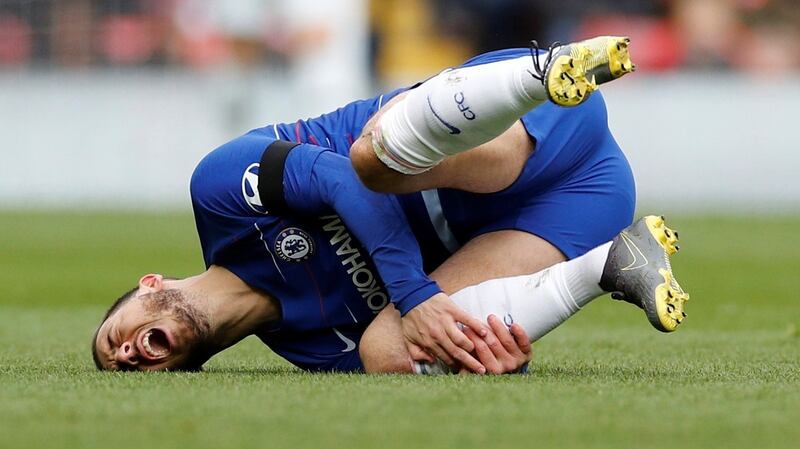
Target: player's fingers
463, 356
469, 321
460, 347
505, 347
485, 355
418, 354
494, 345
443, 355
503, 334
522, 339
456, 335
435, 343
469, 362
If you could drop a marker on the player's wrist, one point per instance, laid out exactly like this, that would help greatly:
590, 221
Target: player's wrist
417, 297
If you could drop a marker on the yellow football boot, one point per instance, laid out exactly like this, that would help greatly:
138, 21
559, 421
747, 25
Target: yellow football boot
570, 73
638, 271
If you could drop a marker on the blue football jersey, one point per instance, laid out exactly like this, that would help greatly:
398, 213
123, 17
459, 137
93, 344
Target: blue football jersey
333, 261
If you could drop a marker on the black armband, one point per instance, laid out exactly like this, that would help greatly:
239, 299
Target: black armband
270, 175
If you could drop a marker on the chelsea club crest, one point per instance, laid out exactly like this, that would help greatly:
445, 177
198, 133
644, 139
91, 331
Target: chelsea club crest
294, 245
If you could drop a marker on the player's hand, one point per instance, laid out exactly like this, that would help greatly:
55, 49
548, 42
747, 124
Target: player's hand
503, 350
434, 327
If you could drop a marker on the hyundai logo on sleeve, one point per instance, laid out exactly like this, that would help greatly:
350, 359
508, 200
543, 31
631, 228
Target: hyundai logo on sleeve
250, 189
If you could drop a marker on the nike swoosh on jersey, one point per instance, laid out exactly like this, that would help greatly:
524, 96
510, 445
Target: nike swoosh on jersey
350, 343
453, 129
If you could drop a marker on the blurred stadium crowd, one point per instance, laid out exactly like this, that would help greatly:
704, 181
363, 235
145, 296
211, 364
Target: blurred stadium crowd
408, 36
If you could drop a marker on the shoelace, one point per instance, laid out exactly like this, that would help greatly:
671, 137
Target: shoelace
538, 67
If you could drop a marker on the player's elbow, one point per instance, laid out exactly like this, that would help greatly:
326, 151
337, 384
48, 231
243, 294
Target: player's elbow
378, 360
377, 363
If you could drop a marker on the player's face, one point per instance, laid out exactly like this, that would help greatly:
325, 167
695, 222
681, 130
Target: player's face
140, 337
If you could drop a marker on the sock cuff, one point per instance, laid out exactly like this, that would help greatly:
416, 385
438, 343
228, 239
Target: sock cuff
394, 140
570, 286
584, 273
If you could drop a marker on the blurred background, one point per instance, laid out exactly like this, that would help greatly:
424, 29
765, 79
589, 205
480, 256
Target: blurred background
106, 106
110, 104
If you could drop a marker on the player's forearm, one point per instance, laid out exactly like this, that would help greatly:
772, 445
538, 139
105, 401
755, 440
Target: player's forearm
318, 181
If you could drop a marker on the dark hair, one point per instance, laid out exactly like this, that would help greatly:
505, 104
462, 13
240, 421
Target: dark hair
117, 304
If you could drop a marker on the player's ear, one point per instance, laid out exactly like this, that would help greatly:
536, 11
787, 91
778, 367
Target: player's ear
150, 283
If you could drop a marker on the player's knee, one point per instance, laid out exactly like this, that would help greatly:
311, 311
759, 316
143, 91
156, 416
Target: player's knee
372, 172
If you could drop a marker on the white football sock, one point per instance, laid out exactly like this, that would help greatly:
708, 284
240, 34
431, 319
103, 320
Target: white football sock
455, 111
538, 302
541, 301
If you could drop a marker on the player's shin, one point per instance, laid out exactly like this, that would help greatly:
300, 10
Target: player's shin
538, 302
455, 111
541, 301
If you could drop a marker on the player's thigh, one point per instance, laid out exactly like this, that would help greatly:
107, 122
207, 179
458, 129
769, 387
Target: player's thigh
561, 223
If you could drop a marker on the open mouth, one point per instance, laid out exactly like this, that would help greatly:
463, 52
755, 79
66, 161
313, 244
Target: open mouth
154, 344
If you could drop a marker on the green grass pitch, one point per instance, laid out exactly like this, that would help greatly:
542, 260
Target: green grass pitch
729, 378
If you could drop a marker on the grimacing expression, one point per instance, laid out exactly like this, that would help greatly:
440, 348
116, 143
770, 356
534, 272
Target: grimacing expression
150, 332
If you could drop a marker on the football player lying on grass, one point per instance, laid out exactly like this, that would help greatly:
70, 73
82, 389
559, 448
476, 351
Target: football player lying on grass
515, 205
